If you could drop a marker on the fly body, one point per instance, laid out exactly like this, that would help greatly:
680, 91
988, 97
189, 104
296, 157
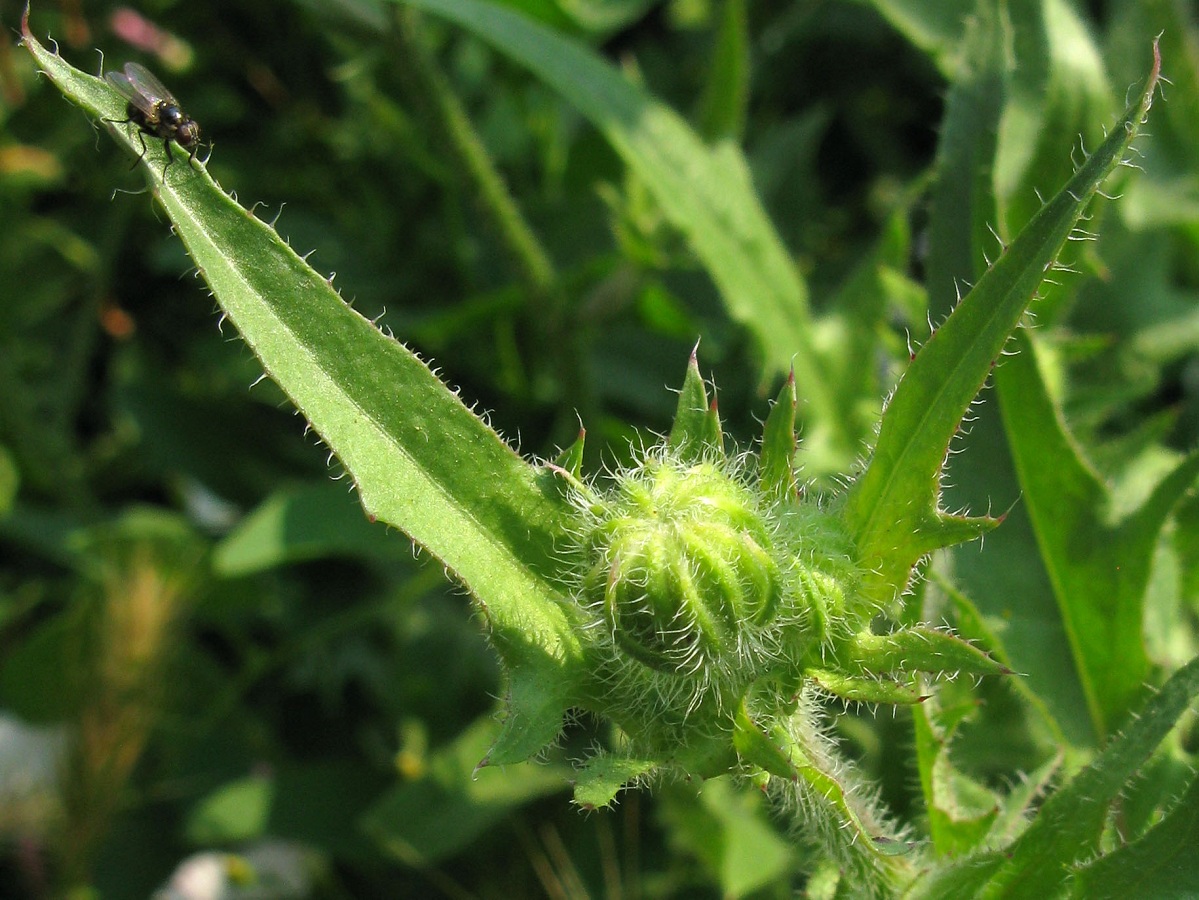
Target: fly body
154, 110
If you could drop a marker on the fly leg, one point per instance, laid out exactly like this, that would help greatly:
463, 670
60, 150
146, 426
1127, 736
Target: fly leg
166, 146
140, 137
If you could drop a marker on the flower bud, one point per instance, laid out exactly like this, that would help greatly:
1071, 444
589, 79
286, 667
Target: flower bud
682, 566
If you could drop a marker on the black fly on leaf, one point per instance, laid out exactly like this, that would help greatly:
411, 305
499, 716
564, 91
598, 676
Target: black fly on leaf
155, 111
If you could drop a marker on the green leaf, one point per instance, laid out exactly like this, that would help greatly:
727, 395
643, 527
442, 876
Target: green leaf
430, 818
1069, 826
728, 829
954, 882
960, 810
606, 775
1160, 864
420, 460
831, 803
726, 94
970, 806
1099, 568
920, 650
865, 689
970, 624
964, 194
1020, 803
994, 118
934, 26
836, 808
892, 510
237, 811
313, 522
10, 480
1058, 95
707, 194
536, 698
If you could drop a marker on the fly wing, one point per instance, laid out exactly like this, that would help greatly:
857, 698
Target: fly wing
141, 87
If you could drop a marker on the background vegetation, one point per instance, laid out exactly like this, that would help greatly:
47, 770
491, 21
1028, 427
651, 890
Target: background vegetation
208, 647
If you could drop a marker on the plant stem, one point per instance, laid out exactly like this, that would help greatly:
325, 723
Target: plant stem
547, 301
533, 262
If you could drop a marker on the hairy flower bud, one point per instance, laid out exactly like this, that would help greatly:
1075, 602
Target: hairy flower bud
682, 566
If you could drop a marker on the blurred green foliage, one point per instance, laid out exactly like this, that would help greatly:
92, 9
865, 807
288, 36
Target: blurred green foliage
249, 658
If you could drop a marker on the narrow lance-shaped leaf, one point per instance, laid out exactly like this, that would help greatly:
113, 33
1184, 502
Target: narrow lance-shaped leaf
1099, 569
1059, 95
892, 509
1159, 864
419, 458
964, 194
1070, 824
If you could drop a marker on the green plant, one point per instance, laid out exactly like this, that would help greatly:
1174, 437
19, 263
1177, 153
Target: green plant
710, 604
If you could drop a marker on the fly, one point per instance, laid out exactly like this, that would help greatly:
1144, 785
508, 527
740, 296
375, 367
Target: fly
155, 111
